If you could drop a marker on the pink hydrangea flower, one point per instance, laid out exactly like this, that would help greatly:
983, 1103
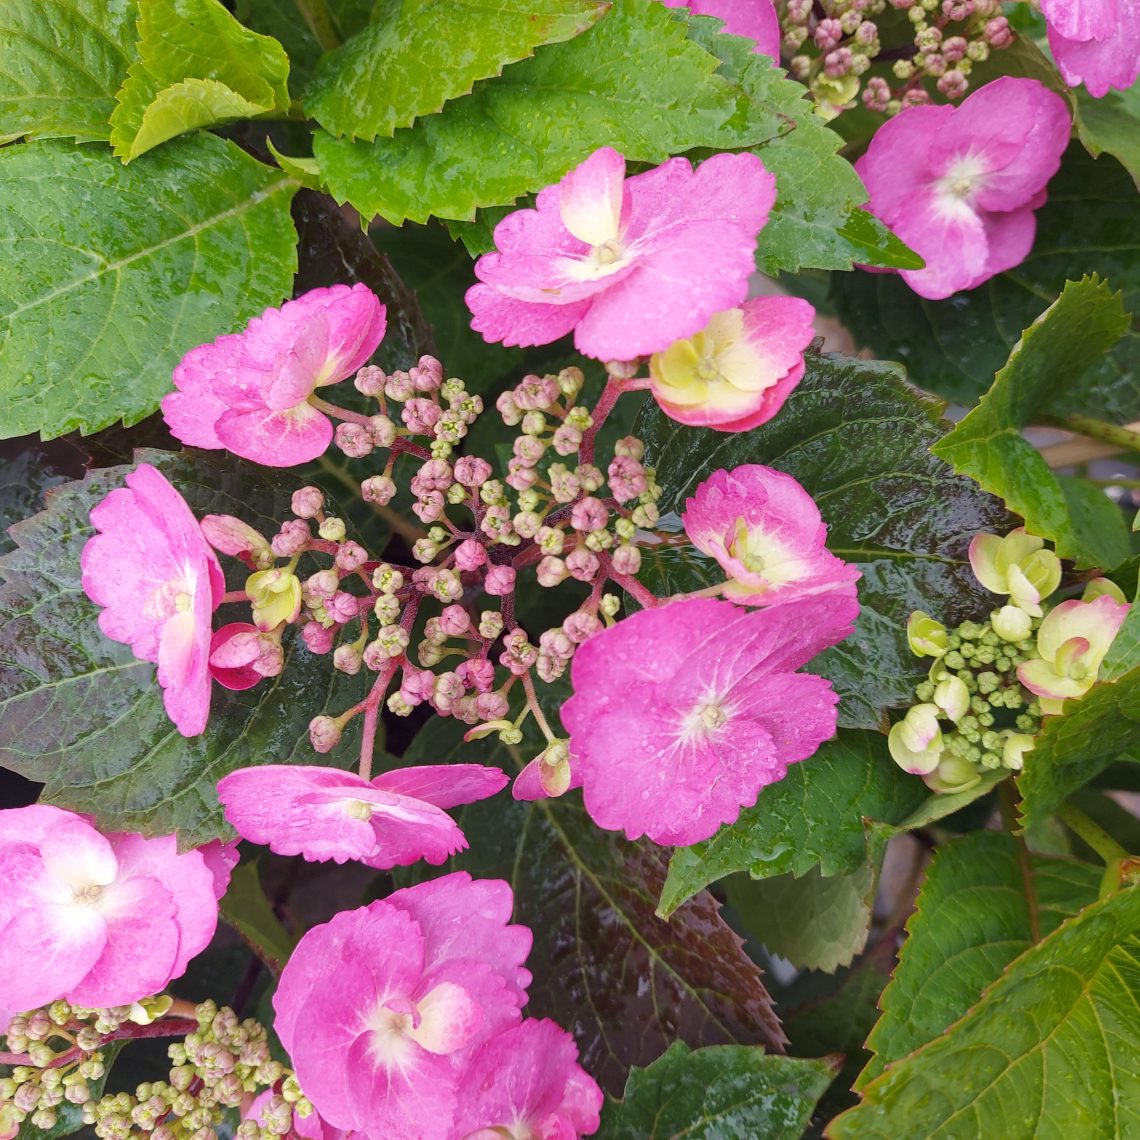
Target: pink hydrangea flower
628, 264
754, 19
527, 1082
250, 392
1095, 42
767, 534
98, 920
959, 184
736, 373
241, 655
382, 1008
681, 714
324, 813
159, 583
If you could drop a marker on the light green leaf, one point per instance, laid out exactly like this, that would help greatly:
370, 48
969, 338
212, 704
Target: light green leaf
245, 907
1124, 653
973, 918
724, 1092
82, 715
1051, 1052
1084, 322
63, 63
415, 55
111, 273
197, 66
1111, 125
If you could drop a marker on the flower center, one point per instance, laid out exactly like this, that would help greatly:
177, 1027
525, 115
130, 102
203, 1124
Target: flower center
608, 252
705, 718
358, 809
964, 175
88, 894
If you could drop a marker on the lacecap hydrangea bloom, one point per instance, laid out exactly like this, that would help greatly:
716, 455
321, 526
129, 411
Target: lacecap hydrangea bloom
959, 184
754, 19
682, 713
767, 534
1095, 42
382, 1008
392, 820
628, 265
159, 583
254, 392
99, 920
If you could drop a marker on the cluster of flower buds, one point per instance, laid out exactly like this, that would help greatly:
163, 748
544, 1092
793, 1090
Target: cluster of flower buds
833, 52
992, 682
220, 1064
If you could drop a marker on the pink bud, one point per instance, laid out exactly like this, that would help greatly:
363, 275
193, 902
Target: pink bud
500, 581
317, 638
477, 673
581, 625
998, 32
472, 471
324, 732
567, 439
583, 564
232, 536
354, 440
421, 415
827, 34
536, 393
307, 503
427, 376
589, 515
347, 659
470, 554
322, 585
528, 450
626, 478
383, 431
520, 476
292, 538
399, 386
342, 606
518, 654
370, 381
378, 489
551, 571
434, 475
492, 706
417, 684
429, 507
351, 556
453, 621
556, 643
627, 559
953, 85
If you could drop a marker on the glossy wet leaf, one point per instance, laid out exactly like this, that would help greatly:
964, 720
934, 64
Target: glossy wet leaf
973, 918
626, 983
858, 439
725, 1092
1051, 1051
80, 714
330, 24
955, 347
245, 907
1111, 125
1103, 726
1124, 653
111, 273
1082, 324
26, 475
414, 56
197, 66
524, 129
813, 818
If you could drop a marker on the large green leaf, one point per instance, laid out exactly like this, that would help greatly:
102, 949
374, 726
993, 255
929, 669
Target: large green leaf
1111, 124
26, 474
111, 273
197, 66
858, 438
83, 716
1124, 653
626, 983
1090, 733
1089, 224
63, 63
414, 56
724, 1092
245, 907
814, 817
524, 129
1082, 324
1051, 1051
973, 917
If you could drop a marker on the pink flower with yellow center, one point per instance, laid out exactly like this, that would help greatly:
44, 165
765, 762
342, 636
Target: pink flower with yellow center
159, 583
767, 534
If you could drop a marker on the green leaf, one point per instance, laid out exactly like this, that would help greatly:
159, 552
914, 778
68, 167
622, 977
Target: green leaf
726, 1092
524, 129
1124, 653
954, 347
245, 907
111, 273
626, 983
1084, 322
858, 438
973, 918
63, 63
197, 66
26, 476
1090, 733
817, 922
1111, 125
1050, 1051
814, 817
80, 714
415, 55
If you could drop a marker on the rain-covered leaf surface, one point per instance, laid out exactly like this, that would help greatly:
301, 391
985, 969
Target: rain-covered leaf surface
724, 1092
1051, 1050
110, 274
81, 715
858, 439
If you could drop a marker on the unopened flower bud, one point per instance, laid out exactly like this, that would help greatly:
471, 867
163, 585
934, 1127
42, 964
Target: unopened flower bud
332, 529
238, 539
500, 581
370, 381
627, 559
490, 624
317, 638
324, 732
1011, 623
355, 440
378, 489
347, 659
926, 636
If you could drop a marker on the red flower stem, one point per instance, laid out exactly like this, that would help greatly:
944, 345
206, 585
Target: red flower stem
602, 409
371, 703
645, 596
339, 413
234, 596
535, 708
164, 1027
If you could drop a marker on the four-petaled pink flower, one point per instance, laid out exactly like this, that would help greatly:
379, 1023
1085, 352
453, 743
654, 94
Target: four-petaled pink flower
628, 264
754, 19
526, 1082
1095, 42
250, 392
323, 813
381, 1008
736, 373
99, 920
681, 714
767, 534
959, 184
159, 583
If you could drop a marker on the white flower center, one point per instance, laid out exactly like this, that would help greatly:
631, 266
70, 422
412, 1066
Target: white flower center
965, 175
705, 718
